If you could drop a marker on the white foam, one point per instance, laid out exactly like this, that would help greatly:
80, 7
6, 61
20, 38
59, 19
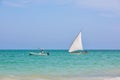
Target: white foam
7, 78
11, 78
116, 78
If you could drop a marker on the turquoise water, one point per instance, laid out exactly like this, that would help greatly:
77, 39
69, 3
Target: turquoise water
97, 63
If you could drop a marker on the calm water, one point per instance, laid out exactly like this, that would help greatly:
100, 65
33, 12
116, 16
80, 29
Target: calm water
97, 63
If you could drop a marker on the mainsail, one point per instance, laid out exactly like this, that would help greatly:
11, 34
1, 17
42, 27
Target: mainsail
77, 44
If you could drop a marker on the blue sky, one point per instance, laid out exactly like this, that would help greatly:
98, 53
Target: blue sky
53, 24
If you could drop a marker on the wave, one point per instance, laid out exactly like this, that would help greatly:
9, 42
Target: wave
116, 78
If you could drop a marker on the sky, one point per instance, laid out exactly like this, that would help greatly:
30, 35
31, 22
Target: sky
53, 24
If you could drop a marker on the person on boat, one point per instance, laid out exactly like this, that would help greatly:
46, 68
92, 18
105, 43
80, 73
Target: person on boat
48, 53
85, 52
42, 51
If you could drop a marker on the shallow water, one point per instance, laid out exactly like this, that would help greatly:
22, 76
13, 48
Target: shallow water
59, 65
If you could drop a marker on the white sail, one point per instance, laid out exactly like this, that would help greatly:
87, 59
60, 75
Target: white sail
77, 44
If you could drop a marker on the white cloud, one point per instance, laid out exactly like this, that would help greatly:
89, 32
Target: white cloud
19, 3
16, 3
110, 5
104, 6
12, 4
108, 15
113, 5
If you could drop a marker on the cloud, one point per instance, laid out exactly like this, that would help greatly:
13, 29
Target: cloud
108, 15
110, 5
103, 6
11, 3
20, 3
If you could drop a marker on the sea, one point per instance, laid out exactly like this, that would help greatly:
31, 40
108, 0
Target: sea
60, 65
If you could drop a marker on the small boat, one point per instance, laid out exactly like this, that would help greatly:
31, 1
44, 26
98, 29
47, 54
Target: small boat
38, 54
76, 46
41, 53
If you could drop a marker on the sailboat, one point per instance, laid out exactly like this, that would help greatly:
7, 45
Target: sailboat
77, 46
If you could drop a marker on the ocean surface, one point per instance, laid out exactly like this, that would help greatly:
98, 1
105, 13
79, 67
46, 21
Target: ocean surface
60, 65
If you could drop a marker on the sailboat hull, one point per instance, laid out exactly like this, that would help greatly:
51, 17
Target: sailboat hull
79, 52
